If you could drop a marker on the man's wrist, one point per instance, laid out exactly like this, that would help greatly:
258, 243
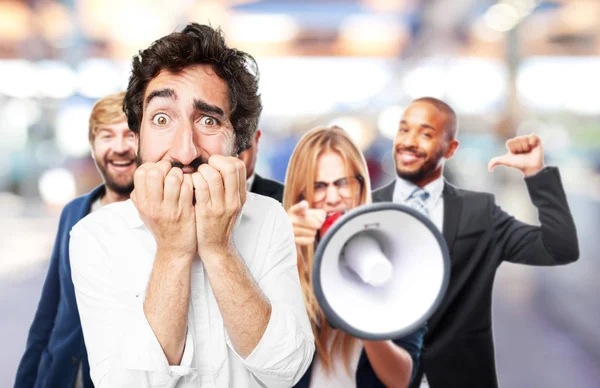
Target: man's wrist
167, 253
528, 172
219, 252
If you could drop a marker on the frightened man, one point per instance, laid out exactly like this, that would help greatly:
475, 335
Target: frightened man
193, 282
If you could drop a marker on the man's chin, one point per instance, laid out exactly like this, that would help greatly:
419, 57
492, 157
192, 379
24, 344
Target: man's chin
410, 175
121, 188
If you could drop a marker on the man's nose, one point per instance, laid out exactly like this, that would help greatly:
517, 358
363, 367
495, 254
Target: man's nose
409, 140
122, 144
184, 148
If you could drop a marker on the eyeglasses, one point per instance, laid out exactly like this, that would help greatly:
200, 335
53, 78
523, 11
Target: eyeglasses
346, 187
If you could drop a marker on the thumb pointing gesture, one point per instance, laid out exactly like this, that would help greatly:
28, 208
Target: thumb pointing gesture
525, 153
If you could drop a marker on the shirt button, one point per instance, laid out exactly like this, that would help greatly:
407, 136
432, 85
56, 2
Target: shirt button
74, 360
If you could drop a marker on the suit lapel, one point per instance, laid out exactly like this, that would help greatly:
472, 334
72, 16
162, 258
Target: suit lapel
255, 184
452, 208
85, 208
259, 187
453, 204
386, 193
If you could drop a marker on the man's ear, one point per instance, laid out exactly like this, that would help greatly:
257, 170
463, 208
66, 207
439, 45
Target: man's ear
257, 135
452, 147
92, 151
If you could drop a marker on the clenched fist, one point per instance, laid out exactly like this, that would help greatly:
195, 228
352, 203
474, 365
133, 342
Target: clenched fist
524, 153
305, 222
163, 197
220, 192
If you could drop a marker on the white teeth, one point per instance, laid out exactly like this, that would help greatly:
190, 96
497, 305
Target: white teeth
121, 163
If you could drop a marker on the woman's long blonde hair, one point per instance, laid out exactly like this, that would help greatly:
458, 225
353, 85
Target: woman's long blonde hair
299, 185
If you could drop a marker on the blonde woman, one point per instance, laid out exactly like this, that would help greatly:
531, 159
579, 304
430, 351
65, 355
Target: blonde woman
327, 174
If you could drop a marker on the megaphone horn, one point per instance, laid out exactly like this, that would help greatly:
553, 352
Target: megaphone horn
380, 271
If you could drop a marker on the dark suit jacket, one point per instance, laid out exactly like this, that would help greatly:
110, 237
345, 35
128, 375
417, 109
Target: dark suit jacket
267, 187
458, 350
365, 375
55, 346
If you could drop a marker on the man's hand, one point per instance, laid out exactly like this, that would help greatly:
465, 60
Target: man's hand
524, 153
163, 197
220, 195
305, 222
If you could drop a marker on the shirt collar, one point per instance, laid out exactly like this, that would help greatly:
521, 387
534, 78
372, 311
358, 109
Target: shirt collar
403, 189
250, 182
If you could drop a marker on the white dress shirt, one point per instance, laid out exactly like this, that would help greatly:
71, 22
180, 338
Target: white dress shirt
112, 253
434, 204
249, 182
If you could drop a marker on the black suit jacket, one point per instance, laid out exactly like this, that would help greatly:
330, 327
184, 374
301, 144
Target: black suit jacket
267, 187
458, 348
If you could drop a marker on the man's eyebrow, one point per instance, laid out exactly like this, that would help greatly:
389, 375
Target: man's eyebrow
163, 93
205, 107
422, 125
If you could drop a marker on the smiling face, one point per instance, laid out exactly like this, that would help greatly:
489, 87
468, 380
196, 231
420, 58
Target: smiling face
421, 144
113, 149
186, 118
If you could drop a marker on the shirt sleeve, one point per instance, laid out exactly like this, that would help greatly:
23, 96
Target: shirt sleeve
413, 344
122, 348
45, 315
286, 348
554, 241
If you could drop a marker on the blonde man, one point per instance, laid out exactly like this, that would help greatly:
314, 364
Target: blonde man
55, 354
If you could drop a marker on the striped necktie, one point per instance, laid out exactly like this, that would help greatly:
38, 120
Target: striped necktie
417, 200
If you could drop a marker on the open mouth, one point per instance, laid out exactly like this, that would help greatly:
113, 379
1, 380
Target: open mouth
121, 164
189, 169
409, 157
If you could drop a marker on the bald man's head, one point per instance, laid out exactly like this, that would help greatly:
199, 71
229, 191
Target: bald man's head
445, 109
426, 138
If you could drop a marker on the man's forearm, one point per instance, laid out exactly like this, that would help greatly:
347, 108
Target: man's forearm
391, 363
244, 308
167, 301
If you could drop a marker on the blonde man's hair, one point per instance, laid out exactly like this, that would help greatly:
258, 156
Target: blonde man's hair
107, 111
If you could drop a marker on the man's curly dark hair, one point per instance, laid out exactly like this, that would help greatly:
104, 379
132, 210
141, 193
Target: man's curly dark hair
199, 44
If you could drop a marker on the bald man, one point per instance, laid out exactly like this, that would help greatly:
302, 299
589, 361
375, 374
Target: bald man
458, 348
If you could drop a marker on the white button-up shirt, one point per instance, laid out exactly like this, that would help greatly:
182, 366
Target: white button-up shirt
112, 253
250, 182
434, 204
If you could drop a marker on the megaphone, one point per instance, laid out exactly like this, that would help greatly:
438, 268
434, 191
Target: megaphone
380, 271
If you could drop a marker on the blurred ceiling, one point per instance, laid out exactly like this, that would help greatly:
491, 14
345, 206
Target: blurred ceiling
75, 29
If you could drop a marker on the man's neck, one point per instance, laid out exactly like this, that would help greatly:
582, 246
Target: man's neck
430, 178
111, 196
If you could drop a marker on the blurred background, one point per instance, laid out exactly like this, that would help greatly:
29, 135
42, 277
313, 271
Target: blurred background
508, 67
